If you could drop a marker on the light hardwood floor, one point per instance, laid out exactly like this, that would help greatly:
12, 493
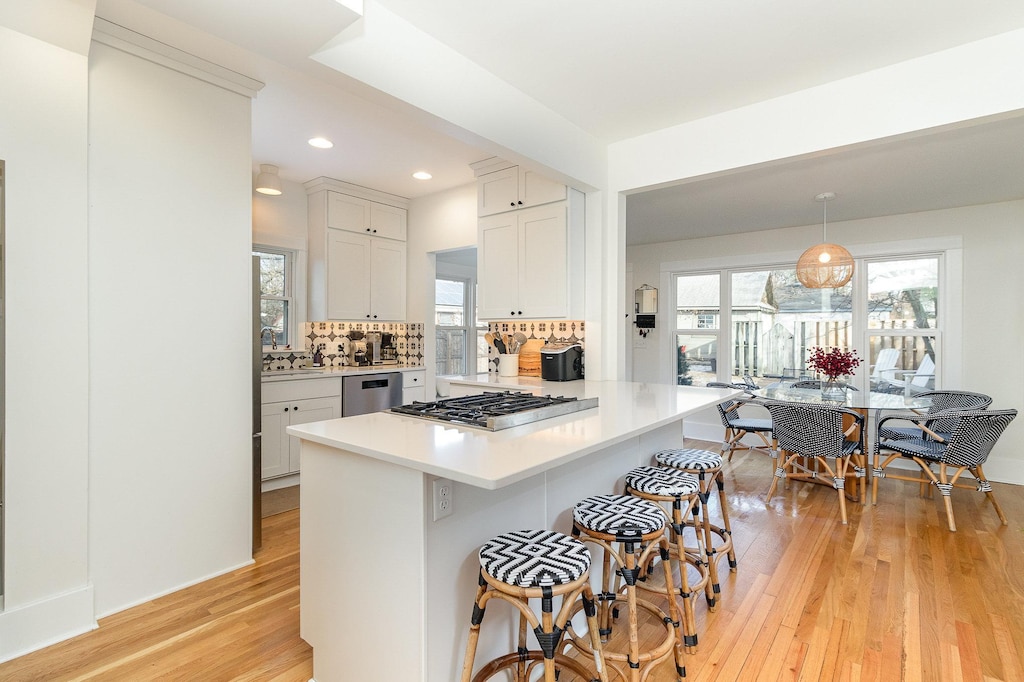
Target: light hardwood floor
893, 595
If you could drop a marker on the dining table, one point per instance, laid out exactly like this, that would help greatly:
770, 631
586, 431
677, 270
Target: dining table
867, 403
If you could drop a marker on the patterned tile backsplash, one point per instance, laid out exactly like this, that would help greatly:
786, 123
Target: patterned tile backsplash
550, 331
334, 339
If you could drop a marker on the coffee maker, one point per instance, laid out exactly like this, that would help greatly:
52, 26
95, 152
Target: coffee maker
388, 350
373, 340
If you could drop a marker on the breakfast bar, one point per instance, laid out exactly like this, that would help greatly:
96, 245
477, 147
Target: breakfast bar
386, 591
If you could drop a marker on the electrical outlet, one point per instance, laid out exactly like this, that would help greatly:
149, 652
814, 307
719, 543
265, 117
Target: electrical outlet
444, 499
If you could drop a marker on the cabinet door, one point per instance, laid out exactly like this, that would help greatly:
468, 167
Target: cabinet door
387, 280
348, 275
498, 267
348, 213
535, 189
498, 192
274, 440
543, 257
303, 412
414, 386
387, 221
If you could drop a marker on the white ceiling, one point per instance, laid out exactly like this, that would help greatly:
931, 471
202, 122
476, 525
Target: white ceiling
617, 70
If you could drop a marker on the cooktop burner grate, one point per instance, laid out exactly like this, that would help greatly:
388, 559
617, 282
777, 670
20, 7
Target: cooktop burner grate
496, 410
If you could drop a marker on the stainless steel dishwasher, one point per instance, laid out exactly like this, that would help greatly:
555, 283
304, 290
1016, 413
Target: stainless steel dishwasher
367, 393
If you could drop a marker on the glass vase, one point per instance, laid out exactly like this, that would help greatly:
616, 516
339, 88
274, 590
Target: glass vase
833, 390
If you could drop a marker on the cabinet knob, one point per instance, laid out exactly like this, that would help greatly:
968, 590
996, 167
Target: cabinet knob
512, 203
375, 231
367, 317
511, 312
520, 203
520, 312
286, 409
375, 317
367, 229
296, 408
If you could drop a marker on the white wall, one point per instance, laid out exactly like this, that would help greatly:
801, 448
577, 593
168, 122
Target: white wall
169, 245
948, 88
281, 220
47, 595
992, 361
437, 222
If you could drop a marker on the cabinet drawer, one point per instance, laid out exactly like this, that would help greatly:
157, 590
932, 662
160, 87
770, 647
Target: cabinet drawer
300, 389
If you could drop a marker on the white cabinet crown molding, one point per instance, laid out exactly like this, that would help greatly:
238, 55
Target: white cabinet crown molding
317, 184
126, 40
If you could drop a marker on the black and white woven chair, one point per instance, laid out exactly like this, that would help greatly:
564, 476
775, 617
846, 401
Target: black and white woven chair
817, 432
682, 492
966, 448
535, 564
706, 466
941, 401
737, 426
630, 530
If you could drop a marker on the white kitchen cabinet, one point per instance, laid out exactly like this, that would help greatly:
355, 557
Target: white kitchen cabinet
365, 277
513, 188
286, 403
530, 262
414, 386
357, 253
353, 214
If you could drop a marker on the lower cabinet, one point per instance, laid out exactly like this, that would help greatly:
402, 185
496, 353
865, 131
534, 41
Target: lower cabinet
414, 386
281, 451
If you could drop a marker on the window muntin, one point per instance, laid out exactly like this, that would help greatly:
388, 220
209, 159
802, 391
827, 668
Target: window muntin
773, 323
276, 297
454, 308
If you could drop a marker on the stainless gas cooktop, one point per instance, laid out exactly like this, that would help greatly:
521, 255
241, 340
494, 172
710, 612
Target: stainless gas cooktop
495, 411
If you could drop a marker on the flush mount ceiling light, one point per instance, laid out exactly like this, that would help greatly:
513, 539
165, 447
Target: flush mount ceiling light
267, 181
825, 266
422, 175
321, 143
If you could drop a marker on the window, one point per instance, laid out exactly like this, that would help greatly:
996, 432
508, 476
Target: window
698, 300
903, 319
890, 313
455, 324
276, 294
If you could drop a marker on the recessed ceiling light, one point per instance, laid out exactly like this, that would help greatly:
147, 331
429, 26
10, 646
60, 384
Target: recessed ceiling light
422, 175
321, 143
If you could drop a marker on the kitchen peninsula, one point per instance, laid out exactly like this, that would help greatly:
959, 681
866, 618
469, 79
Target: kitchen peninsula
387, 590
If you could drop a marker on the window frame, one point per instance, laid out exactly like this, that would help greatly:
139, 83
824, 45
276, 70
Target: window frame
290, 266
469, 315
949, 312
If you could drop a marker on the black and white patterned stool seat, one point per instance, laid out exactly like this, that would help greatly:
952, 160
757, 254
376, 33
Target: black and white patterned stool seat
619, 515
663, 482
689, 458
534, 558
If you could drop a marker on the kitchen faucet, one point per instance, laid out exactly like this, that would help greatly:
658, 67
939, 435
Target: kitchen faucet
273, 336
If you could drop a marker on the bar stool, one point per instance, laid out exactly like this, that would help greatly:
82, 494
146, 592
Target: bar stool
661, 485
637, 528
707, 466
535, 564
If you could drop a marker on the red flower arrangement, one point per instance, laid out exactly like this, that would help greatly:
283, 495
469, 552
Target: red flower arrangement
833, 363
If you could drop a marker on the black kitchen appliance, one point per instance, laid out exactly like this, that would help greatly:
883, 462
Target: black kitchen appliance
561, 363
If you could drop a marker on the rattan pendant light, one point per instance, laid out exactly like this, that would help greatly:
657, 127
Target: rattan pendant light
825, 266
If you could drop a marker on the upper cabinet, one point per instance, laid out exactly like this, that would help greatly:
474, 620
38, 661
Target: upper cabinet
357, 253
345, 212
502, 187
530, 263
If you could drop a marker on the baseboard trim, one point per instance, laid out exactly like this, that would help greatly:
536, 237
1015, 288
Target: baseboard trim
37, 625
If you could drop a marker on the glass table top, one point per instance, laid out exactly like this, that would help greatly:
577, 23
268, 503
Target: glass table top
857, 400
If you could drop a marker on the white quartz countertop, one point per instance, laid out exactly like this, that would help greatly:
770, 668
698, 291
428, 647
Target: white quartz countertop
493, 382
493, 460
327, 372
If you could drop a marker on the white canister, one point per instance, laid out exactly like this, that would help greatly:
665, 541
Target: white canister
508, 365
